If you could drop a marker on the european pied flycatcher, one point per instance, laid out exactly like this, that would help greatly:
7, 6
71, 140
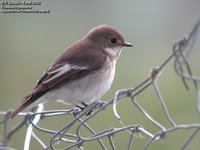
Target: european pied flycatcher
82, 73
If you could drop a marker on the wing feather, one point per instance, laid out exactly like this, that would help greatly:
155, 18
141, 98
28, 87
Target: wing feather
75, 63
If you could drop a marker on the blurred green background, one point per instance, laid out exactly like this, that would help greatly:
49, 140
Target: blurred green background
30, 42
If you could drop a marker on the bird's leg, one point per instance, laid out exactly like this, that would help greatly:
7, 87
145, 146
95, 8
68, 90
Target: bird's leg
84, 106
81, 108
100, 104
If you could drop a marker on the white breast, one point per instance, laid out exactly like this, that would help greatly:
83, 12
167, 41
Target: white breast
87, 89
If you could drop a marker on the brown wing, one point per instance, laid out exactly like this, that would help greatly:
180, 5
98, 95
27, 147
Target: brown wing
75, 63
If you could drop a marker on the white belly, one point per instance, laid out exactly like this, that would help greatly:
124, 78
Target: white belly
87, 89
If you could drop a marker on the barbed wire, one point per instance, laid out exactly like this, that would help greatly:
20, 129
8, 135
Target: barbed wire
80, 119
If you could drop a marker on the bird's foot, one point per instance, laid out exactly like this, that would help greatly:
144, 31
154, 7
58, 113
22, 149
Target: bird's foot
98, 104
84, 107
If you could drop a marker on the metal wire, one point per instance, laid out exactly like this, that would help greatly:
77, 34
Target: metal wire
80, 119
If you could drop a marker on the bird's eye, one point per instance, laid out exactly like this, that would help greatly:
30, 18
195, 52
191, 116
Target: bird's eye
113, 40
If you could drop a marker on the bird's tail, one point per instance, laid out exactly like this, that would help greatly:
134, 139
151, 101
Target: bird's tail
24, 105
26, 101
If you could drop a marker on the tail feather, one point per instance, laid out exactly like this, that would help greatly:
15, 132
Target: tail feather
15, 112
25, 103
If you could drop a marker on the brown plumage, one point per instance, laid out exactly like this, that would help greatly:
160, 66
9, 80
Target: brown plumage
85, 57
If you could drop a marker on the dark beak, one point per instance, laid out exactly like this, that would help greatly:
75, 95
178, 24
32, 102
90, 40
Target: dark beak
127, 44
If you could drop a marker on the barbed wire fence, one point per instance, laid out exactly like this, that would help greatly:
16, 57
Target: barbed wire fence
180, 52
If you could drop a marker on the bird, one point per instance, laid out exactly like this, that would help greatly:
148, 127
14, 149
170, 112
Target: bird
82, 73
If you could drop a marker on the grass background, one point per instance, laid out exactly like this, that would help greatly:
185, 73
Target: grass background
30, 42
